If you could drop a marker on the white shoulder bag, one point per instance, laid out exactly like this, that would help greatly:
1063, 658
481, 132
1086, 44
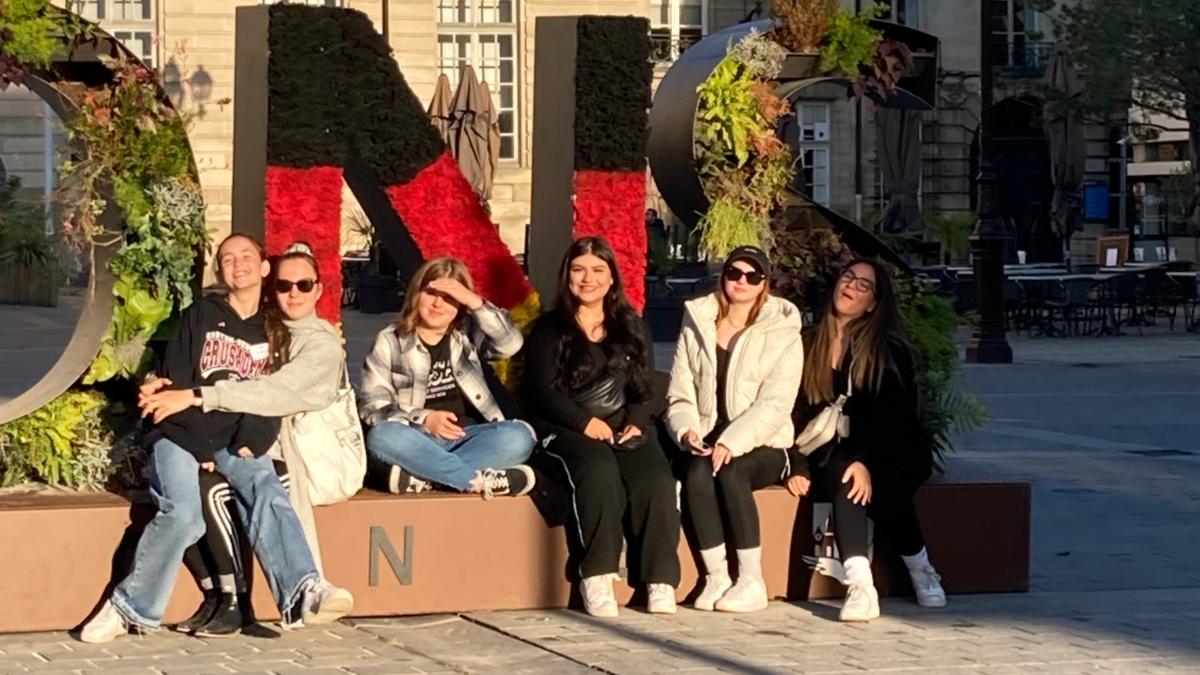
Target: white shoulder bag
828, 423
330, 443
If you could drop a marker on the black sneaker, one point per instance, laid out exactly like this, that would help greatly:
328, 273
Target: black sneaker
225, 621
202, 614
401, 482
515, 482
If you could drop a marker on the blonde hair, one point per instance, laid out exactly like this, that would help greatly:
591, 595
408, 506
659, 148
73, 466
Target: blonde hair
432, 270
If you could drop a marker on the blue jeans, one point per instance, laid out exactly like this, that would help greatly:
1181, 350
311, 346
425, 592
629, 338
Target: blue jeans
495, 445
272, 526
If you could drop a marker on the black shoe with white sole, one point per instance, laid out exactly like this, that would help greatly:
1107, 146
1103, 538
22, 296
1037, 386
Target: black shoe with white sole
514, 482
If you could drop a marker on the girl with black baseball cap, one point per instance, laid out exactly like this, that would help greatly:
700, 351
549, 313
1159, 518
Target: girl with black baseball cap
733, 383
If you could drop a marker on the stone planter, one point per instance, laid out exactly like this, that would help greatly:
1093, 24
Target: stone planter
35, 285
800, 66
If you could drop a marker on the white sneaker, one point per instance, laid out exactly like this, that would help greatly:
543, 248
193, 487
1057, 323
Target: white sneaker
661, 599
747, 595
598, 598
325, 603
715, 587
106, 626
862, 603
928, 585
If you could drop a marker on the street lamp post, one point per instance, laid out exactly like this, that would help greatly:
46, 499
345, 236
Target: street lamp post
988, 343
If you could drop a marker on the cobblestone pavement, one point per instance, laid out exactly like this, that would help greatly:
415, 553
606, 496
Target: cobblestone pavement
1105, 430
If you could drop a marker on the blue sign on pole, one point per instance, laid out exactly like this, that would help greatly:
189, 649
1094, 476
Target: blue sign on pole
1095, 202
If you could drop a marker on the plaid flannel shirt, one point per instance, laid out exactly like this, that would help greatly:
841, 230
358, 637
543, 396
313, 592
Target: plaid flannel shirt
396, 372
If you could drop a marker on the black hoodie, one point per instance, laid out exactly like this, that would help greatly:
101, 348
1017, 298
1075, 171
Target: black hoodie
213, 343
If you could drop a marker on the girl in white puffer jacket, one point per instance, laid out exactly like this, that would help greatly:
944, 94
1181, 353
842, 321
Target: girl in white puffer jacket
733, 384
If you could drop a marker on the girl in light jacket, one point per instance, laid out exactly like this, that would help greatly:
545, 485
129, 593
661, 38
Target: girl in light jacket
425, 395
733, 383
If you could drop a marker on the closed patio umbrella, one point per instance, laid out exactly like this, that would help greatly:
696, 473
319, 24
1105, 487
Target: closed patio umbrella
898, 141
439, 108
469, 130
1064, 133
490, 117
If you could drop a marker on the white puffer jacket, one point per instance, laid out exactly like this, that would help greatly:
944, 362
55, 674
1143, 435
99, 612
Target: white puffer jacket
764, 377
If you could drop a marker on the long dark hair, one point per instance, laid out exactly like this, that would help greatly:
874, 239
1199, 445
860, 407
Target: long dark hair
622, 327
278, 335
871, 338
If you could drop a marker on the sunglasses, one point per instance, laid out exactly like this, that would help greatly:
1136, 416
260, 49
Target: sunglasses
285, 286
753, 278
862, 284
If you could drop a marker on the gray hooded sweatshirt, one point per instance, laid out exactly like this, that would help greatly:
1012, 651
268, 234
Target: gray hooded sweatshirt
309, 381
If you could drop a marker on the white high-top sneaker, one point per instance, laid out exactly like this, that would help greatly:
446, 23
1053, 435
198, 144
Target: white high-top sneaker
749, 594
598, 598
661, 599
862, 602
106, 626
928, 585
715, 587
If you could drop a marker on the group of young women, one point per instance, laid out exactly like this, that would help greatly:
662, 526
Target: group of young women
744, 382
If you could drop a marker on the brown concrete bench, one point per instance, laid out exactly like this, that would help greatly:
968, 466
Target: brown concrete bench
445, 552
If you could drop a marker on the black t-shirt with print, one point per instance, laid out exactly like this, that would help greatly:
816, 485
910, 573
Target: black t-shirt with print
442, 391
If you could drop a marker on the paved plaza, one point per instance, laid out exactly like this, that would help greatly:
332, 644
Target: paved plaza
1106, 430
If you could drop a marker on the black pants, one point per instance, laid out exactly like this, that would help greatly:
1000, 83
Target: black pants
725, 503
611, 486
217, 559
891, 508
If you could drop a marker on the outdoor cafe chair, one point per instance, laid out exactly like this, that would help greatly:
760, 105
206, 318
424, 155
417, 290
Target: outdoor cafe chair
1163, 296
1121, 299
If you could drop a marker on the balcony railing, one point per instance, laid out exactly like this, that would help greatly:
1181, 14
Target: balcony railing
664, 49
1021, 58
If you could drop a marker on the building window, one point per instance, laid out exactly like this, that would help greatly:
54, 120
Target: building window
140, 42
813, 167
113, 10
904, 12
676, 25
1167, 152
92, 10
129, 21
1013, 25
483, 34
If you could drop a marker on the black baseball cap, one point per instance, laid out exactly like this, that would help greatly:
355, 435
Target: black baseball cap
751, 254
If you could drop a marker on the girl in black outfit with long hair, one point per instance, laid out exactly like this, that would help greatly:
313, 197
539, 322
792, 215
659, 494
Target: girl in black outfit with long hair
589, 363
859, 347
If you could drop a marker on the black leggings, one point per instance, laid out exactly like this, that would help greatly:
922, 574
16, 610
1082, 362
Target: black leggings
728, 498
217, 560
610, 484
891, 508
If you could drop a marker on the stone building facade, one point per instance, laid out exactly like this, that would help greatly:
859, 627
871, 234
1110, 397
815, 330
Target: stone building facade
191, 42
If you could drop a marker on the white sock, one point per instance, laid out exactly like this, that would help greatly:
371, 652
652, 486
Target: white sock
918, 562
750, 563
858, 570
714, 561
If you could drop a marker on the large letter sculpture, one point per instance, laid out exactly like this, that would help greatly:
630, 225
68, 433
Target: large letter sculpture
320, 99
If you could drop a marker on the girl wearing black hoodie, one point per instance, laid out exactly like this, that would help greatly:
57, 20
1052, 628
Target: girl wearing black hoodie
218, 338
